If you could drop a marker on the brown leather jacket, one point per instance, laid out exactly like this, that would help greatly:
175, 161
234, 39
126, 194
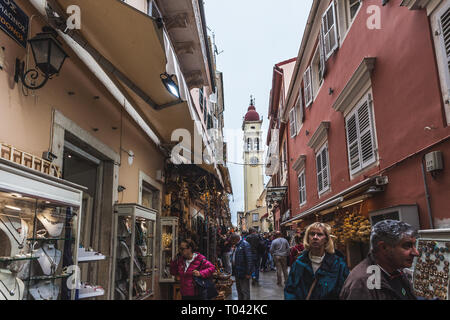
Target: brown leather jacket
355, 287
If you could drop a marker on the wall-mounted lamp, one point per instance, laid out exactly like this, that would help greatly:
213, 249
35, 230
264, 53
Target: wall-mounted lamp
170, 84
330, 91
48, 56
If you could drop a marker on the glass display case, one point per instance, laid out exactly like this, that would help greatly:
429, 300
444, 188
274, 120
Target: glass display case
134, 260
169, 247
431, 267
39, 223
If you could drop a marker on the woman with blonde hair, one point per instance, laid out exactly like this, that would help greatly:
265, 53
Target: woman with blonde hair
318, 273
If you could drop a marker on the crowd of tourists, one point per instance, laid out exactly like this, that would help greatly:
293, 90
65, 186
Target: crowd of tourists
310, 268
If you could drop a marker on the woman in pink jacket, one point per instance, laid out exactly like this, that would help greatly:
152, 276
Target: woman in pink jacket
187, 265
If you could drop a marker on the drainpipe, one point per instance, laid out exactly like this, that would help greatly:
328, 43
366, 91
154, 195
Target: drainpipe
427, 194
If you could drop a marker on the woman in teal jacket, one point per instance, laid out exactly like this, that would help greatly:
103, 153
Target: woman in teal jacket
318, 273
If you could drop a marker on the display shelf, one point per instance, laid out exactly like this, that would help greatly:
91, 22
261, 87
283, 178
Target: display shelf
51, 239
97, 293
169, 247
10, 259
143, 297
91, 258
61, 276
135, 227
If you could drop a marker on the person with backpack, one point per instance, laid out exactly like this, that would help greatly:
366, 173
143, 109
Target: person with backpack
258, 247
296, 250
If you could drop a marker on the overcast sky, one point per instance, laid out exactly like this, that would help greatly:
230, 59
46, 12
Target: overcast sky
254, 35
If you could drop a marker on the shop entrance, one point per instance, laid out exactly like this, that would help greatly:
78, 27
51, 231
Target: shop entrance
86, 166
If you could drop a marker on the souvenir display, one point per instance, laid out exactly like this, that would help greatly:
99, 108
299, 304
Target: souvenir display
133, 273
169, 247
37, 238
431, 270
44, 290
53, 226
11, 287
49, 258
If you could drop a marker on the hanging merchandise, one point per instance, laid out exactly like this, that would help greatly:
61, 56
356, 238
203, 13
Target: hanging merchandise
53, 226
352, 227
11, 287
16, 230
49, 258
44, 290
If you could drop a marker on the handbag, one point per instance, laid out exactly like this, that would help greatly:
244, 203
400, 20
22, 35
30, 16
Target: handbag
205, 287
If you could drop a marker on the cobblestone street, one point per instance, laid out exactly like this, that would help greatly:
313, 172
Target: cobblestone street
266, 290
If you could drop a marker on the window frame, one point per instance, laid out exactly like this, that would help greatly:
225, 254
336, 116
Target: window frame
365, 100
302, 187
292, 122
307, 85
326, 33
327, 168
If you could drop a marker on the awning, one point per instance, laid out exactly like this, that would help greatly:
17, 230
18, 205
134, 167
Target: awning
348, 193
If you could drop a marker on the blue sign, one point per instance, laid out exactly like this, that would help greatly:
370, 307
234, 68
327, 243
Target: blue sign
14, 21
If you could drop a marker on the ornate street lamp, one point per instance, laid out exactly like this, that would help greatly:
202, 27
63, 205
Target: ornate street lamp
49, 57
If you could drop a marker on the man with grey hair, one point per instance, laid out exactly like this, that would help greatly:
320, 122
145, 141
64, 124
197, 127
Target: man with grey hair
380, 276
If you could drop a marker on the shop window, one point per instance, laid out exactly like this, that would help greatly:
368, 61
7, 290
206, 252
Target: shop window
323, 169
360, 136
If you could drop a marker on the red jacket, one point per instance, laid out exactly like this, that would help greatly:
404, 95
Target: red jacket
187, 285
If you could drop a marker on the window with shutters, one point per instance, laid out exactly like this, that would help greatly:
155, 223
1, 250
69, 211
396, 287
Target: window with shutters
302, 188
292, 122
361, 136
323, 169
440, 20
352, 9
329, 29
308, 87
317, 68
300, 112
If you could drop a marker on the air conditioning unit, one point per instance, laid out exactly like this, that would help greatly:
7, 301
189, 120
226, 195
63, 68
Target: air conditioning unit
405, 213
434, 161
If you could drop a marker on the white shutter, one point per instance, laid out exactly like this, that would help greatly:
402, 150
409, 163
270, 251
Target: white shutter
302, 188
444, 24
361, 136
301, 112
319, 172
292, 120
353, 144
329, 26
323, 170
366, 133
308, 87
323, 68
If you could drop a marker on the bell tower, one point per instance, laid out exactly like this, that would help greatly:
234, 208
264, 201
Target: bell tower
253, 154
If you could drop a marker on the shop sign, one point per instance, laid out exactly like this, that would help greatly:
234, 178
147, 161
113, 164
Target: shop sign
14, 21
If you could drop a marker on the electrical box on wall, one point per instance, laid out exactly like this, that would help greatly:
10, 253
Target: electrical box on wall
434, 161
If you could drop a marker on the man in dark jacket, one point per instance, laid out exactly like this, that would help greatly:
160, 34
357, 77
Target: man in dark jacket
242, 262
380, 276
257, 245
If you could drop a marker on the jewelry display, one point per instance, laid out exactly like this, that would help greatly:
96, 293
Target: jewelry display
431, 274
16, 232
49, 258
11, 288
44, 290
133, 275
54, 228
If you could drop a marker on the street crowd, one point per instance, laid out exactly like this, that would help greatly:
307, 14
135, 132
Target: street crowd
308, 266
